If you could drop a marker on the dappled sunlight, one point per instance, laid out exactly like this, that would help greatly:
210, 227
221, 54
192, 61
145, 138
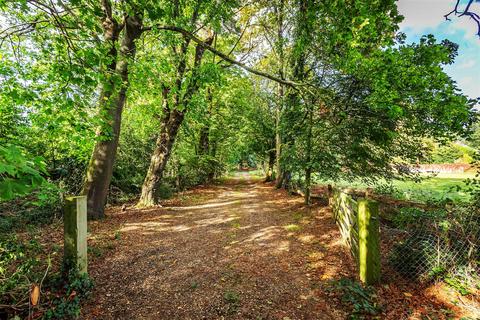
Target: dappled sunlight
264, 234
151, 226
237, 242
204, 206
281, 246
214, 221
306, 238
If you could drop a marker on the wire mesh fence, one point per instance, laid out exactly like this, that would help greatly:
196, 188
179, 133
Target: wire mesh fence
435, 245
425, 245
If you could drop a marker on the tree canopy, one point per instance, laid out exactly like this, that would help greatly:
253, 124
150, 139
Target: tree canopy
133, 97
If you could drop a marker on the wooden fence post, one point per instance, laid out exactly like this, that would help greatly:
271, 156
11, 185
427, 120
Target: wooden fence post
75, 233
369, 242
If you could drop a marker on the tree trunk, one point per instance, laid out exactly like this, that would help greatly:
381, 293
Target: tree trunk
308, 170
204, 143
271, 163
281, 93
168, 132
112, 101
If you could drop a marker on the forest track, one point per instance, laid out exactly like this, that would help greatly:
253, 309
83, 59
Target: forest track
236, 250
240, 250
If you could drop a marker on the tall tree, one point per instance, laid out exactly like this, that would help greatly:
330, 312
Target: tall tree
111, 102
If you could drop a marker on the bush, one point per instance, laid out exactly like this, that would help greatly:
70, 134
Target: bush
420, 257
19, 267
197, 170
164, 191
25, 262
411, 217
70, 293
387, 189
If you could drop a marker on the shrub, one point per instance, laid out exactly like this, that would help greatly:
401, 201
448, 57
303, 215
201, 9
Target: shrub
387, 189
164, 191
25, 262
70, 293
411, 217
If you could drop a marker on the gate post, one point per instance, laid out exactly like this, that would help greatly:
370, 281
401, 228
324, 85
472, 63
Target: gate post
75, 234
369, 242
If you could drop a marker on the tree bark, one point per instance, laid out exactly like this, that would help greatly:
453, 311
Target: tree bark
308, 169
271, 164
112, 101
169, 128
281, 93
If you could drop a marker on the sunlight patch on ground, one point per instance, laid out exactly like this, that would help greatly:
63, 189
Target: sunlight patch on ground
282, 246
153, 226
204, 206
306, 238
264, 234
292, 227
217, 220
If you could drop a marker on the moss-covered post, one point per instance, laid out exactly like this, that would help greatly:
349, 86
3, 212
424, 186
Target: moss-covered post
369, 242
75, 233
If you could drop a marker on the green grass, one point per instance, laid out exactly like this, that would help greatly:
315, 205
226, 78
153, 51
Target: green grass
433, 189
438, 188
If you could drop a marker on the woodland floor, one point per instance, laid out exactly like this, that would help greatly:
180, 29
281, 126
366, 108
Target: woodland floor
236, 250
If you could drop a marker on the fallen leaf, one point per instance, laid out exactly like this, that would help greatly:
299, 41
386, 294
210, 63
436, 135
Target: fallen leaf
34, 294
72, 295
407, 294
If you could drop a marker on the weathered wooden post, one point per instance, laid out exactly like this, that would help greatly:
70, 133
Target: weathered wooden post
75, 233
369, 242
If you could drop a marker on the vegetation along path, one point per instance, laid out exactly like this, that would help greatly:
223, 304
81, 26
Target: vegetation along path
238, 250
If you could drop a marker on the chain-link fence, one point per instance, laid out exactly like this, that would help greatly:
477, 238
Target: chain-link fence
443, 244
424, 245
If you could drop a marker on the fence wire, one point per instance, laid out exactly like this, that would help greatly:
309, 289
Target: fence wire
435, 245
432, 246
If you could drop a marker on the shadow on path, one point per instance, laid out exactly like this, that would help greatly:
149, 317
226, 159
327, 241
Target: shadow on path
250, 252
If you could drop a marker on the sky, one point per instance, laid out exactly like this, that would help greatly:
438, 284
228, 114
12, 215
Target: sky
427, 17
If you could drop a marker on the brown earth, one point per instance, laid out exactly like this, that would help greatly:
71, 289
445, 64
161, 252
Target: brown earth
239, 250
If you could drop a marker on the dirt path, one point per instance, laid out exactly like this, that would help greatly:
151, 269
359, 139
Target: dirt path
241, 250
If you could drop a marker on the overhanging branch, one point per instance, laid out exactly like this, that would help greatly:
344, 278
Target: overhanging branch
222, 55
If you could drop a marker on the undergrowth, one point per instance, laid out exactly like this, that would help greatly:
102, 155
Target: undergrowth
25, 264
362, 301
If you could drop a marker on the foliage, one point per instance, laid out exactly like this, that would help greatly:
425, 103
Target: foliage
387, 189
40, 207
70, 293
19, 267
362, 300
20, 174
411, 217
451, 153
350, 100
26, 262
